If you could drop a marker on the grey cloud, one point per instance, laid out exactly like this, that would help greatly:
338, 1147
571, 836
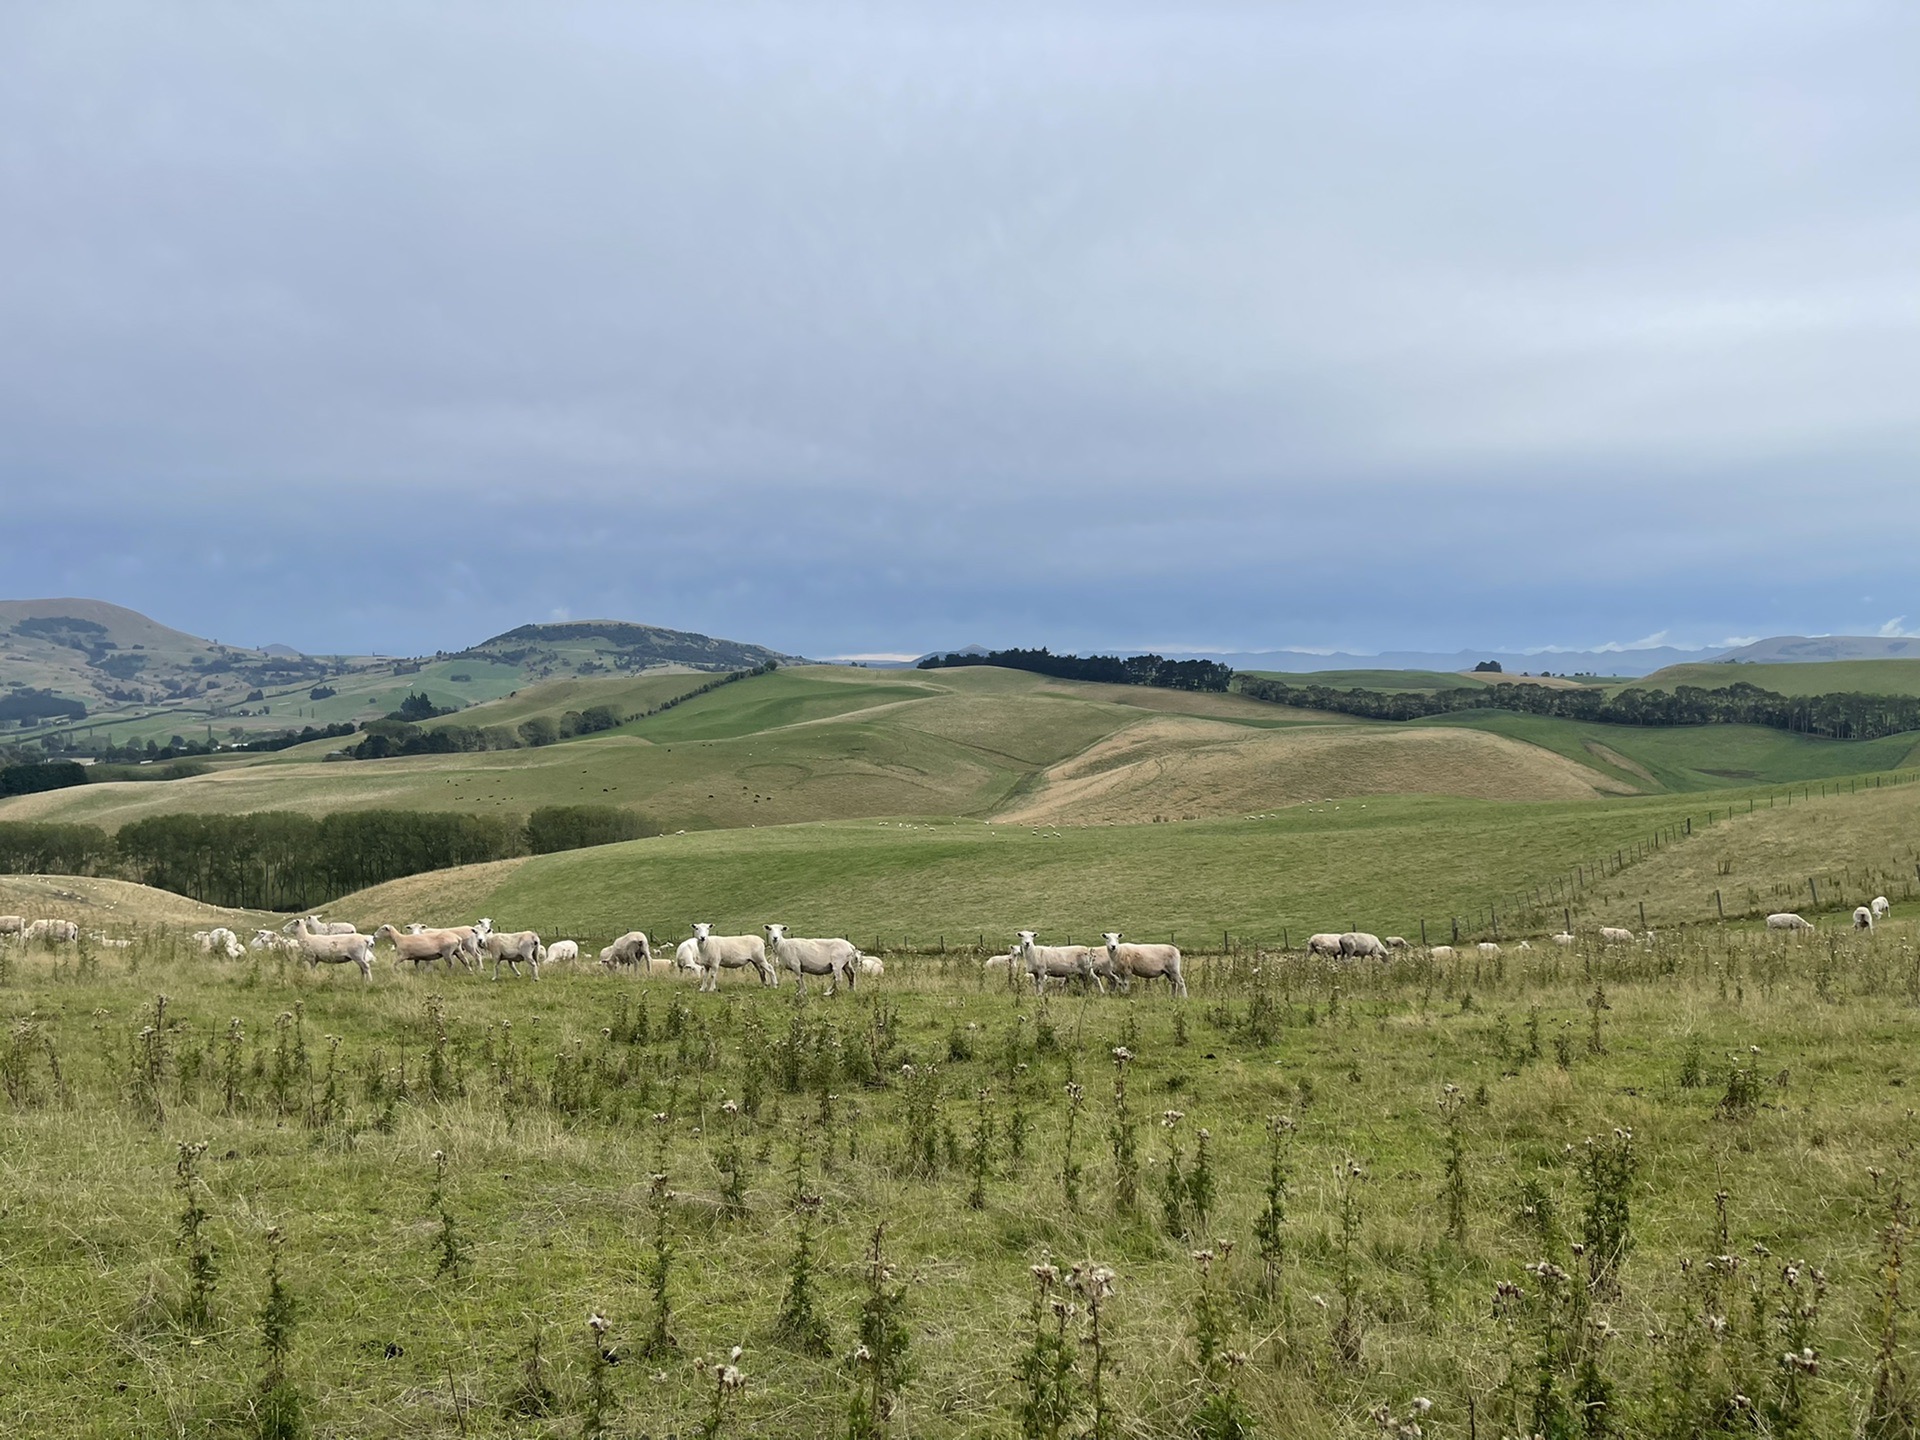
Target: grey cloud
1557, 317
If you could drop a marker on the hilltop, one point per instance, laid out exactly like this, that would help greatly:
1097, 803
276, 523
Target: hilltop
585, 647
98, 672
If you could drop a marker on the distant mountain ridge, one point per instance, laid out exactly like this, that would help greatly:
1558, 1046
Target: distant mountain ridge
1798, 649
75, 662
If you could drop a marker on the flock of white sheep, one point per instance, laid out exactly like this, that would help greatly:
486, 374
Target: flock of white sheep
705, 954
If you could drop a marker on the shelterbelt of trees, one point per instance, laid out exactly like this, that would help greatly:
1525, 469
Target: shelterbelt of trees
1106, 669
278, 860
1835, 716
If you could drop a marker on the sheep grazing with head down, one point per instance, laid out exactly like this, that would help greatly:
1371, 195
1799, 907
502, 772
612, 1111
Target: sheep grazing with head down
1880, 907
1324, 944
1863, 918
1359, 944
630, 950
1786, 920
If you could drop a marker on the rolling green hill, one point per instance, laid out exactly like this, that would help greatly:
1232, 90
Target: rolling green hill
1691, 757
1822, 677
1382, 864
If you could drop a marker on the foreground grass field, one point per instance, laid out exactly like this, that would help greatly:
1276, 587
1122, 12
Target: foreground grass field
1555, 1193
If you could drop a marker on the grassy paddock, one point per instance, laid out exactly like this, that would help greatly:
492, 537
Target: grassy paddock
544, 1099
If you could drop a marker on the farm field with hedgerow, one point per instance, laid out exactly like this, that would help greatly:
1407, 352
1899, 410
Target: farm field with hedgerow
1633, 1191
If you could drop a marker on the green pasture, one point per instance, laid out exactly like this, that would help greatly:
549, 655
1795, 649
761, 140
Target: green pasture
1379, 865
1693, 757
1384, 1146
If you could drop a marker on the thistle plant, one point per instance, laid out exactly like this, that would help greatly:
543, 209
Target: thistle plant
1453, 1194
281, 1407
659, 1269
799, 1320
202, 1270
1094, 1285
1049, 1390
601, 1358
1607, 1169
980, 1150
1269, 1226
880, 1359
1122, 1136
728, 1384
451, 1249
1894, 1409
1347, 1329
730, 1162
1173, 1177
1069, 1164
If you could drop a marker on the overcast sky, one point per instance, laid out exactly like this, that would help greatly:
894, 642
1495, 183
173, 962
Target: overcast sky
869, 329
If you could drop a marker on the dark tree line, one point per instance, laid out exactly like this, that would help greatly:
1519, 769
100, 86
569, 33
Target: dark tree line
32, 848
1845, 716
29, 705
278, 860
1107, 669
31, 779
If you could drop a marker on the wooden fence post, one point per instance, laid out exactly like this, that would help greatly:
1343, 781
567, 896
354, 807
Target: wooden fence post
1643, 915
1718, 906
1816, 892
1423, 934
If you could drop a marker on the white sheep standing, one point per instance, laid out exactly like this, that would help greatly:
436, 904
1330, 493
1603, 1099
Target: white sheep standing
1127, 962
1056, 962
1488, 948
1863, 918
338, 950
836, 959
714, 953
513, 946
1440, 952
418, 944
1787, 920
1323, 944
1614, 935
563, 952
1880, 907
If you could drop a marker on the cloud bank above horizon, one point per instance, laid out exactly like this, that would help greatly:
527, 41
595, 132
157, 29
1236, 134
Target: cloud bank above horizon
875, 329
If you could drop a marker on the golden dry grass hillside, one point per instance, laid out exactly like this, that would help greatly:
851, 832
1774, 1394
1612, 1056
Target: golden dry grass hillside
111, 906
1182, 768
